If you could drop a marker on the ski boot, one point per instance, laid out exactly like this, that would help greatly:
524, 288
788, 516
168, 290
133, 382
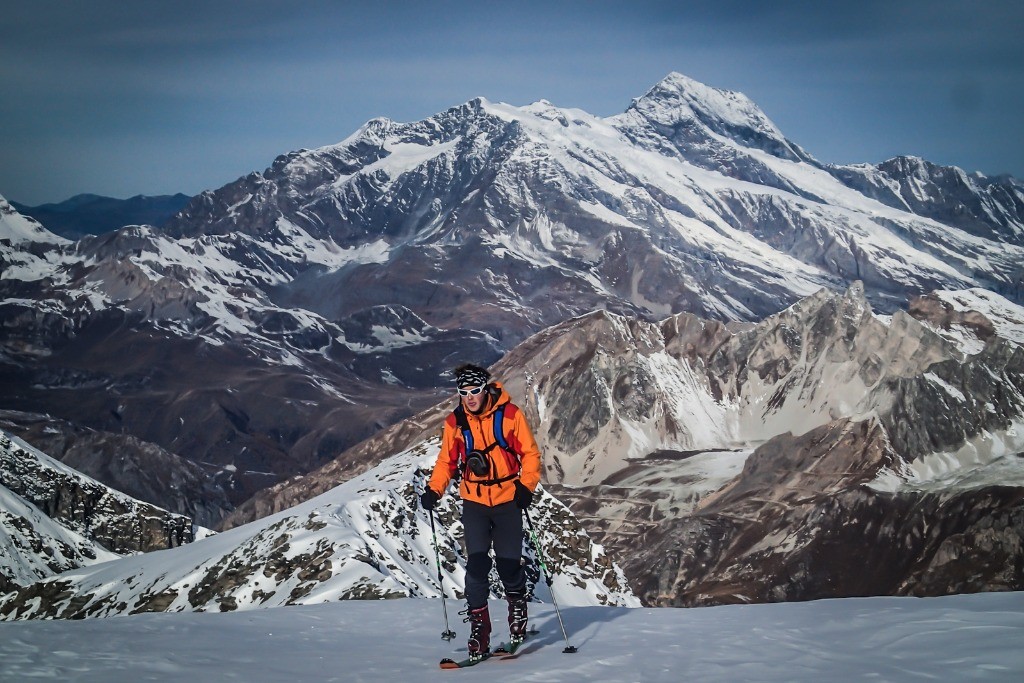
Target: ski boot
479, 645
517, 617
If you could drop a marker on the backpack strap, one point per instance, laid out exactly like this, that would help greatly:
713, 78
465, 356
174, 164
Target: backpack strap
499, 426
499, 438
463, 424
467, 439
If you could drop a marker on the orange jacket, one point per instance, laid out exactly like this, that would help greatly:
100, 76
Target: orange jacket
453, 452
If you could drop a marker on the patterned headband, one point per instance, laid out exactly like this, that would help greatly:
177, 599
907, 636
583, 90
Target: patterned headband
471, 376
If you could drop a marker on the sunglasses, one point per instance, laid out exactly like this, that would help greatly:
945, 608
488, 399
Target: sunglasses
471, 392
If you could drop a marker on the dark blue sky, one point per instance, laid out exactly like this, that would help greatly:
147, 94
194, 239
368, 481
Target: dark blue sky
124, 98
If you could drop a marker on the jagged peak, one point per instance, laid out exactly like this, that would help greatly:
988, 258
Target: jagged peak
906, 164
853, 302
911, 165
375, 129
475, 105
678, 101
856, 292
681, 97
682, 83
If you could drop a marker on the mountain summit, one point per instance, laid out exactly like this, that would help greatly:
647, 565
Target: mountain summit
684, 106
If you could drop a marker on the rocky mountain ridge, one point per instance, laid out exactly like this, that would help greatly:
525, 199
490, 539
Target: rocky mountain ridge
56, 519
840, 454
141, 470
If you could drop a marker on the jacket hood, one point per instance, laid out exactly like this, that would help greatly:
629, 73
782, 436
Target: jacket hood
503, 397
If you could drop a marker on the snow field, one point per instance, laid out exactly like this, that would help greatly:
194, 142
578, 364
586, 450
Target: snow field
957, 638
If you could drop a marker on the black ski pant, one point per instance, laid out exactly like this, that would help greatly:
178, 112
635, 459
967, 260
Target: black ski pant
500, 526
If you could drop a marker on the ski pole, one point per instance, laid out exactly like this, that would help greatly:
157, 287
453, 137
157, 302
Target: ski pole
448, 632
569, 649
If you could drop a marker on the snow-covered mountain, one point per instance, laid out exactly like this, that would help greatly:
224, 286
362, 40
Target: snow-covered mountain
17, 230
284, 317
365, 539
690, 200
55, 519
989, 207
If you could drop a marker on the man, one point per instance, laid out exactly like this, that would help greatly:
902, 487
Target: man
487, 442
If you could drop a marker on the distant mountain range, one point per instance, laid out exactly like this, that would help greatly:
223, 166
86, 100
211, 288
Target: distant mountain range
90, 214
277, 321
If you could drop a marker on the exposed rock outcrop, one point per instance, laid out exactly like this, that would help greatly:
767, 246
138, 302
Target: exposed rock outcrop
141, 470
57, 519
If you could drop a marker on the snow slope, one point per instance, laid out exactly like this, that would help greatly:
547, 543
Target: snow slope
1006, 317
18, 228
958, 638
365, 539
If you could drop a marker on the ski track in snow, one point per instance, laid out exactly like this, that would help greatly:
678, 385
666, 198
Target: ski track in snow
956, 638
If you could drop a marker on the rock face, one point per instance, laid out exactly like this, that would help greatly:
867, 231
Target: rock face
55, 519
365, 539
140, 470
280, 319
885, 452
802, 522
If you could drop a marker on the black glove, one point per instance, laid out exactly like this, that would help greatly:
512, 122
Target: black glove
429, 499
524, 496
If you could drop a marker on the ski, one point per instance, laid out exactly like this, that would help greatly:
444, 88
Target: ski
504, 650
447, 663
508, 649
